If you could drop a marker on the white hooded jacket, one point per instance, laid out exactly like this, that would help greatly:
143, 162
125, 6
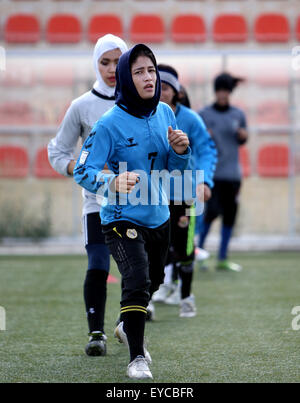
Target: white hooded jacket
81, 116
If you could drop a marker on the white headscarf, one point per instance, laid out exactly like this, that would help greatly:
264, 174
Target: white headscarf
104, 44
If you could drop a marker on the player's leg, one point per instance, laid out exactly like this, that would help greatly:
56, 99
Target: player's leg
127, 246
170, 282
211, 211
230, 194
184, 232
94, 289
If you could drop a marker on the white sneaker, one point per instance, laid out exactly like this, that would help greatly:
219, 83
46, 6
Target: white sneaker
174, 297
162, 293
187, 307
122, 337
201, 254
138, 369
150, 311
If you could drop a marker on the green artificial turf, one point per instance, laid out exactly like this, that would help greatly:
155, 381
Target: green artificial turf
242, 332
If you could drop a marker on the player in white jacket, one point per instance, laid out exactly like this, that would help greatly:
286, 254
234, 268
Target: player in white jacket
77, 123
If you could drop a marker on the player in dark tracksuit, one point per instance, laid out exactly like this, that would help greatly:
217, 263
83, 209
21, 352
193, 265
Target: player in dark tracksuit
141, 132
228, 127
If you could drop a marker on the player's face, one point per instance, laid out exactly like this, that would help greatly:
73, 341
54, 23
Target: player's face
144, 77
222, 97
167, 93
107, 65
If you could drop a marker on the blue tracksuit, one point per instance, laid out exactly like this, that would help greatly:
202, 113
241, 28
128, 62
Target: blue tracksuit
140, 141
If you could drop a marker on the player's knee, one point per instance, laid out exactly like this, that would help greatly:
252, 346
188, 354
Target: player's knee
187, 268
98, 257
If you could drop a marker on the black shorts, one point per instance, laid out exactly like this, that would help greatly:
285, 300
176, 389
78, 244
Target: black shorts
223, 202
140, 254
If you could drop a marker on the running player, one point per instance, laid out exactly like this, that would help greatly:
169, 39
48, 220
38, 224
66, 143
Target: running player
228, 128
141, 132
181, 254
77, 123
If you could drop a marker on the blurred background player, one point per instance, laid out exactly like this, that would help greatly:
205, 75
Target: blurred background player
77, 124
227, 126
183, 97
181, 252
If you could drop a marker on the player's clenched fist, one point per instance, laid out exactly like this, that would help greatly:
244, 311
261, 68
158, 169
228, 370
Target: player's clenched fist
124, 183
178, 140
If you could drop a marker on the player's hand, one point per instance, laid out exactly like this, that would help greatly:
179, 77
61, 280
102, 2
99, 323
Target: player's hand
125, 182
242, 134
71, 166
178, 140
203, 192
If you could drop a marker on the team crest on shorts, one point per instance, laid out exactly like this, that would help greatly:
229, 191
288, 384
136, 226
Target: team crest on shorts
131, 233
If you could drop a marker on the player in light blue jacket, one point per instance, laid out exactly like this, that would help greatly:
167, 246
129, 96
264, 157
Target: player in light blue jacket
203, 160
137, 138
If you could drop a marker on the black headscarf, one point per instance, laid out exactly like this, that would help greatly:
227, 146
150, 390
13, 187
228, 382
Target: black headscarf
126, 93
227, 82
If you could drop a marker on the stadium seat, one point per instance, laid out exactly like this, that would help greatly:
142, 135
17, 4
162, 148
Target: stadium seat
245, 161
13, 78
42, 167
101, 24
230, 28
22, 28
16, 113
273, 160
14, 162
272, 28
272, 113
147, 28
188, 28
58, 75
298, 29
63, 28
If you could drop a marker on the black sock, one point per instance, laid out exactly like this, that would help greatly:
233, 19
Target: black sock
134, 327
175, 272
186, 275
94, 291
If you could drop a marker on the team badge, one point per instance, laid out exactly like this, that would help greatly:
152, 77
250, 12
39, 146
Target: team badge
83, 157
131, 233
183, 222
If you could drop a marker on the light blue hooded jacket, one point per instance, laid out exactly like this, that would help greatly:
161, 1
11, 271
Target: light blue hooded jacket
135, 136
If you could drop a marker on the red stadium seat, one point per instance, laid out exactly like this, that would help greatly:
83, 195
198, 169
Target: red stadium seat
273, 160
245, 161
102, 24
298, 29
188, 28
147, 28
22, 28
272, 28
63, 28
42, 167
59, 75
272, 113
13, 78
14, 162
230, 28
16, 113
